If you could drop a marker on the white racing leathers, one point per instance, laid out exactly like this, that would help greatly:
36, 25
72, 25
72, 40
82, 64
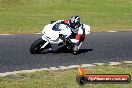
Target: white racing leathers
79, 35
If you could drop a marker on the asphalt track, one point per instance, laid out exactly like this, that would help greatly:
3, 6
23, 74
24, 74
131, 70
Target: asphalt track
101, 47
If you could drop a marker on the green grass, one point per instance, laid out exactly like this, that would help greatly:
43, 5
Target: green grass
30, 16
63, 79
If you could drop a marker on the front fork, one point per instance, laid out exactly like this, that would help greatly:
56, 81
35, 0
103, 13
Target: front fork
46, 43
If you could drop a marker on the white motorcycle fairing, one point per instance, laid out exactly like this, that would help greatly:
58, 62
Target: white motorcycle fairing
52, 36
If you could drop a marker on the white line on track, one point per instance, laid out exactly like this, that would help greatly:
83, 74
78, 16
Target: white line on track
111, 31
42, 33
6, 34
62, 68
38, 33
20, 34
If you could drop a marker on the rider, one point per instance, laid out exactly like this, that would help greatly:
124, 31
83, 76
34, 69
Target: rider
78, 31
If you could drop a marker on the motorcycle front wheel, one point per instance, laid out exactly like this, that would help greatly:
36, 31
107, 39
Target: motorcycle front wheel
36, 46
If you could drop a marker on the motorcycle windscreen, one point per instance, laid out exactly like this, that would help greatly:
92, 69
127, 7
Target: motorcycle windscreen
56, 27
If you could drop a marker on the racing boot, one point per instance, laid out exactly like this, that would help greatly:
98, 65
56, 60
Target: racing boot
76, 48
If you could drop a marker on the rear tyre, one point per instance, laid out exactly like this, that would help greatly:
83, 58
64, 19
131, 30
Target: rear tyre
36, 46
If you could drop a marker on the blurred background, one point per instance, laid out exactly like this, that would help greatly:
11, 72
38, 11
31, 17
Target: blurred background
30, 16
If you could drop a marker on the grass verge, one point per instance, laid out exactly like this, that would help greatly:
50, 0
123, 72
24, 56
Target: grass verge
30, 16
63, 79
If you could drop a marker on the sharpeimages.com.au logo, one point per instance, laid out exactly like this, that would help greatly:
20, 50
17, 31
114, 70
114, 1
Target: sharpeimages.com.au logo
83, 78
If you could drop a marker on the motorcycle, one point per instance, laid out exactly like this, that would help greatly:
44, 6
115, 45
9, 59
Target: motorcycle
56, 34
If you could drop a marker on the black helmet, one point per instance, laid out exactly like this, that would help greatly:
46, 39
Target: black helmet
74, 22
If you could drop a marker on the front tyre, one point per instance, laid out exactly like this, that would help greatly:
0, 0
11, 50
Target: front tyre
36, 46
